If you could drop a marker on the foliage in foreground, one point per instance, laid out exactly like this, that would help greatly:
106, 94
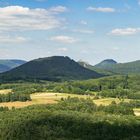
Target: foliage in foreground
71, 119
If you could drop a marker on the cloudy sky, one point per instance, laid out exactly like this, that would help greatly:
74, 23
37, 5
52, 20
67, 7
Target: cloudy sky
90, 30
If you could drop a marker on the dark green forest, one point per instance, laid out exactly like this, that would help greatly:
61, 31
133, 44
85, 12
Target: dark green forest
56, 68
70, 119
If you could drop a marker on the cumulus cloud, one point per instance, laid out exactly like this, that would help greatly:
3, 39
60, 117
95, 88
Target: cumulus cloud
84, 31
101, 9
24, 18
62, 49
11, 39
58, 9
125, 31
63, 39
83, 22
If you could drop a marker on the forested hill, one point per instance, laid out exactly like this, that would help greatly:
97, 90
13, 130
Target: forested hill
121, 68
98, 70
51, 68
106, 63
8, 64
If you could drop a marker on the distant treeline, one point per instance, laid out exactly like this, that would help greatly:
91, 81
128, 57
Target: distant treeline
11, 97
126, 86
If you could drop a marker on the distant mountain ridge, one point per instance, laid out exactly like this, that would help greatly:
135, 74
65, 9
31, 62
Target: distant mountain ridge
91, 67
50, 68
120, 68
57, 68
111, 67
8, 64
106, 63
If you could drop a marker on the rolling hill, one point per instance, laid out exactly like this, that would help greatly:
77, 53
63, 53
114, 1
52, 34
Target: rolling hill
120, 68
98, 70
6, 65
106, 63
56, 68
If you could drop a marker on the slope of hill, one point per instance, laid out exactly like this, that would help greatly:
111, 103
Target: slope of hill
3, 68
51, 68
106, 63
98, 70
6, 65
121, 68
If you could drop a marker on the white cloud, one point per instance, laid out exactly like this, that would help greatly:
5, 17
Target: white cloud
83, 31
11, 39
58, 9
23, 18
125, 31
63, 39
101, 9
83, 22
62, 49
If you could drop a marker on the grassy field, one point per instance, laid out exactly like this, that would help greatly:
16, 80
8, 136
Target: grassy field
137, 111
42, 98
107, 101
50, 98
5, 91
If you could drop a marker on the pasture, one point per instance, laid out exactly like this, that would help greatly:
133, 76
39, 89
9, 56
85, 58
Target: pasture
50, 98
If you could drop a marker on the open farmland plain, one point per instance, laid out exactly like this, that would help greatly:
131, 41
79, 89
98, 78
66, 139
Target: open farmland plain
53, 98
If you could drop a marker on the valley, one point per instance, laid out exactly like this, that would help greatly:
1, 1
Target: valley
51, 98
90, 102
69, 70
54, 98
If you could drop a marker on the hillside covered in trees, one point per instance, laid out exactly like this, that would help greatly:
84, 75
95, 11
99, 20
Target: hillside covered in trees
56, 68
120, 68
94, 68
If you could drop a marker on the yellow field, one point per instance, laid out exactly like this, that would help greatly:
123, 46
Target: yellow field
137, 111
51, 98
5, 91
107, 101
41, 98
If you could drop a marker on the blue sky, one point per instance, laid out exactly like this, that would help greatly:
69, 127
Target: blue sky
90, 30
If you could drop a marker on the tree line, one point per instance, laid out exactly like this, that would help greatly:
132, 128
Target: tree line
11, 97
